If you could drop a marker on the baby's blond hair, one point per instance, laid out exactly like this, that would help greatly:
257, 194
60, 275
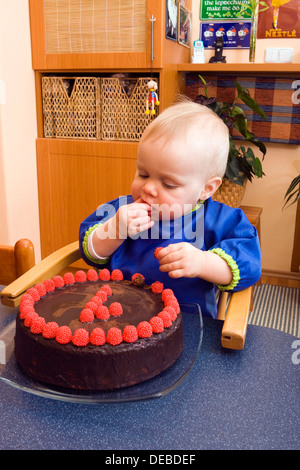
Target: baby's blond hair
206, 135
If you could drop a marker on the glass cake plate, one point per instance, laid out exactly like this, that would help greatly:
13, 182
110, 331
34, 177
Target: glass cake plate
157, 387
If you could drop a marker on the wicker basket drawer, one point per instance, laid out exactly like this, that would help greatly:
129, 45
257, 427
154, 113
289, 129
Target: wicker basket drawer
123, 109
71, 107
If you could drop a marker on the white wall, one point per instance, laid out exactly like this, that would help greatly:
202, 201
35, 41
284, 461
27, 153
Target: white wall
18, 179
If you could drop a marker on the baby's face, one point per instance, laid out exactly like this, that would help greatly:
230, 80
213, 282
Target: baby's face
166, 177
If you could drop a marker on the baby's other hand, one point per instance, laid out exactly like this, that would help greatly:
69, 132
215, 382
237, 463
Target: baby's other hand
181, 260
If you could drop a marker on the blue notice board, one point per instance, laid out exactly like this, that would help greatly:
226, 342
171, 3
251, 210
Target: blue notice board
236, 35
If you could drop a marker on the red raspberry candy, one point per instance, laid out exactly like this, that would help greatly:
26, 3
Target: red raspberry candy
63, 335
34, 293
102, 295
116, 275
172, 303
41, 289
25, 309
144, 329
102, 313
37, 325
26, 298
80, 337
97, 337
157, 250
92, 275
58, 281
80, 276
130, 334
157, 324
115, 309
114, 336
92, 305
106, 289
167, 293
171, 311
166, 318
69, 279
30, 317
104, 275
86, 315
96, 300
50, 330
157, 287
49, 285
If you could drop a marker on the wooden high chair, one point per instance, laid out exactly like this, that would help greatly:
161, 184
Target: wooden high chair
234, 312
15, 260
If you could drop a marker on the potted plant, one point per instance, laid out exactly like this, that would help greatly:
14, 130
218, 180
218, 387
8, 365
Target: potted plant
242, 165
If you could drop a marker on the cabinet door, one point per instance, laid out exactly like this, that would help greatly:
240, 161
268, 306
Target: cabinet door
74, 178
90, 34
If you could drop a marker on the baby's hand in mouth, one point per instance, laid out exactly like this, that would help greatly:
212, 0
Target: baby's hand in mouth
134, 218
145, 204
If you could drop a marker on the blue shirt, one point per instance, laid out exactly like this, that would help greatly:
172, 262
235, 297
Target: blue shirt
211, 226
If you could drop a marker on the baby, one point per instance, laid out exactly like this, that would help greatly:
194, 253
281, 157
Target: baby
204, 245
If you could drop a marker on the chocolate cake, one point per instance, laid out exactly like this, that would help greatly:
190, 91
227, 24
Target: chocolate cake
93, 331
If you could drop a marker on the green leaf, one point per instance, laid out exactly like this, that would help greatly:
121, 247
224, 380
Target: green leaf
250, 157
257, 167
244, 95
265, 5
297, 197
293, 185
236, 110
241, 124
234, 171
245, 8
202, 80
205, 85
293, 192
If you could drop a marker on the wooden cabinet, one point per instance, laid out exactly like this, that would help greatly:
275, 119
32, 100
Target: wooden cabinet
90, 35
93, 37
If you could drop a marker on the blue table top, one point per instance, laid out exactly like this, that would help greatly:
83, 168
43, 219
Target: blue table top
230, 400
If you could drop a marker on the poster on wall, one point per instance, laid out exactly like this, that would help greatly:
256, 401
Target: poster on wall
280, 20
184, 26
235, 35
171, 19
223, 9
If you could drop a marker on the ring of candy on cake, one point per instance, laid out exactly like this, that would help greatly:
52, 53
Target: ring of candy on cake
95, 308
97, 331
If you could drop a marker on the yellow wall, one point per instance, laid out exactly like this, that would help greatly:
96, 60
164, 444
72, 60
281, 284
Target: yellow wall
18, 183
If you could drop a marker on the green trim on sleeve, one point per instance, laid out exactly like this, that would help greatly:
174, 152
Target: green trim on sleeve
233, 266
85, 246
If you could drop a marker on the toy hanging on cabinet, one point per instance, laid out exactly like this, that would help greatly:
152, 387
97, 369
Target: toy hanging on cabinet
152, 100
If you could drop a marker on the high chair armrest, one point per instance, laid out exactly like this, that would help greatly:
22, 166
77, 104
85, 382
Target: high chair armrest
236, 320
47, 268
